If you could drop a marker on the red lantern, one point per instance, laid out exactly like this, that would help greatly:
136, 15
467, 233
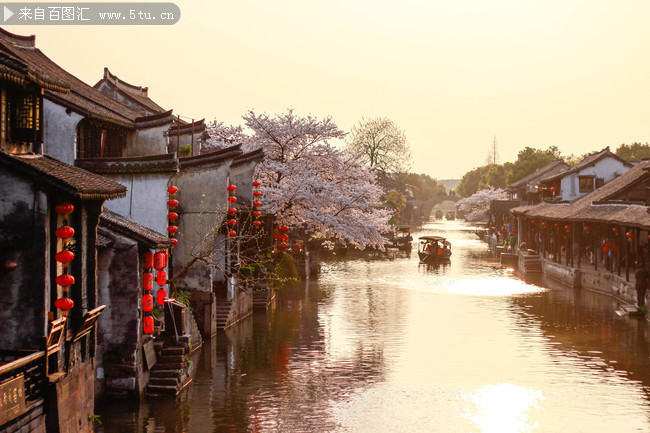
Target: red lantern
567, 227
172, 190
544, 224
232, 211
172, 203
160, 296
172, 229
65, 280
256, 184
159, 261
64, 232
630, 235
283, 229
147, 303
257, 224
148, 260
64, 209
232, 199
11, 265
174, 241
282, 246
257, 204
553, 189
587, 229
283, 238
232, 233
257, 193
615, 230
165, 258
232, 222
161, 278
172, 216
257, 214
557, 225
232, 188
64, 256
147, 281
64, 304
147, 325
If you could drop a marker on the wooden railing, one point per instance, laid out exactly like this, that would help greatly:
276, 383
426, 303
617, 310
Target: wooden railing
31, 366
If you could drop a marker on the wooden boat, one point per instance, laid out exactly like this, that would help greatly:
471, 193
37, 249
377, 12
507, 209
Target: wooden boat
402, 238
434, 249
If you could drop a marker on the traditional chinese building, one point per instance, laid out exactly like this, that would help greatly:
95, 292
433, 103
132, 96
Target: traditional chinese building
48, 220
592, 172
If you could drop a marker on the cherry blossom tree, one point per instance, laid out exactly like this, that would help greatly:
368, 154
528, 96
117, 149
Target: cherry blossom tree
222, 135
308, 183
477, 205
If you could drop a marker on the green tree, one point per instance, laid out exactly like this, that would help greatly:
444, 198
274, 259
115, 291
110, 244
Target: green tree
397, 203
469, 184
634, 151
423, 186
495, 176
530, 159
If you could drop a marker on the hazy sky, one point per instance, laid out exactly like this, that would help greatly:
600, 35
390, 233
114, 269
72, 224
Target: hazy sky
452, 73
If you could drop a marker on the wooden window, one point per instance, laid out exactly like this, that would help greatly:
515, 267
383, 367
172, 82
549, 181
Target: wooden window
600, 182
586, 183
21, 115
97, 140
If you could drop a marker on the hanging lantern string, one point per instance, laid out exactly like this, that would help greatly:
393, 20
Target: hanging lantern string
65, 256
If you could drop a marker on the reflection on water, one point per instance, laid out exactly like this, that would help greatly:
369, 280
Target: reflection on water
380, 344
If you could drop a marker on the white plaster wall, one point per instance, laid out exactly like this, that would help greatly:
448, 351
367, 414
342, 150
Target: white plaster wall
241, 175
607, 168
202, 203
149, 141
59, 132
145, 201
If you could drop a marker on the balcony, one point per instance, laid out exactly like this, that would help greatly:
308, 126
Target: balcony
23, 382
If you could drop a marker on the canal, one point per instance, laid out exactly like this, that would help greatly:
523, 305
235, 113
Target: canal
380, 344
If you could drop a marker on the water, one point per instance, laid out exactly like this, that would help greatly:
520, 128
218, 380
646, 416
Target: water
385, 345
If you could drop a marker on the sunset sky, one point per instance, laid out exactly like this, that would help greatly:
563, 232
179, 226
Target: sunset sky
452, 73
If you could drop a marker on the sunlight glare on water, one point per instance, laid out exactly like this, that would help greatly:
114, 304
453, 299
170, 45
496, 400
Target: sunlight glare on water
378, 343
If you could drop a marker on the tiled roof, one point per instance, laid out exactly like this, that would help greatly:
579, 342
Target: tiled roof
594, 207
586, 162
254, 155
165, 163
217, 156
502, 207
61, 176
137, 94
144, 235
63, 87
550, 168
102, 241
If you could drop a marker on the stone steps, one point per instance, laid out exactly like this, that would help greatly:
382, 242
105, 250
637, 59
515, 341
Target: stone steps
223, 313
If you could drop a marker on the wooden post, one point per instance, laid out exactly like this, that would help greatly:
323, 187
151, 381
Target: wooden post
178, 135
580, 234
627, 259
192, 143
618, 253
595, 248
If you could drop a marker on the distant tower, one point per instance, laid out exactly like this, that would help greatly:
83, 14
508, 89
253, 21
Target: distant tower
493, 155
